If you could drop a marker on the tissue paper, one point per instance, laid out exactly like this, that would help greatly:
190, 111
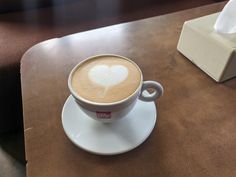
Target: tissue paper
226, 22
213, 52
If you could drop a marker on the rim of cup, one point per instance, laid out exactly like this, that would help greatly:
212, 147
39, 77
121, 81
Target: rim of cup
97, 103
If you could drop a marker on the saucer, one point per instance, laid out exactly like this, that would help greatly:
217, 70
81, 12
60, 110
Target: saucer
108, 138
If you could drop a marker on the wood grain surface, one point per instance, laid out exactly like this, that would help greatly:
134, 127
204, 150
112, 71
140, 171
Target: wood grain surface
195, 133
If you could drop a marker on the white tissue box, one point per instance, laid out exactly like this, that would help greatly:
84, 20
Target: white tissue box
212, 52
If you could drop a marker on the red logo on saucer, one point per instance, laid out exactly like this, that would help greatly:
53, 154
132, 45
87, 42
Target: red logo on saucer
103, 115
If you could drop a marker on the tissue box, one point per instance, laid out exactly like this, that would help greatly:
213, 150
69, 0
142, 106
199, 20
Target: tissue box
212, 52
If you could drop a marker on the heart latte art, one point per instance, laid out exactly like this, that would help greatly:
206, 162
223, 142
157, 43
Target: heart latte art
108, 76
106, 79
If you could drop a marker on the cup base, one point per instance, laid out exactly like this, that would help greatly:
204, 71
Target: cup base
108, 139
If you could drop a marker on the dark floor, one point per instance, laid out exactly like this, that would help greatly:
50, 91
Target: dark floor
12, 162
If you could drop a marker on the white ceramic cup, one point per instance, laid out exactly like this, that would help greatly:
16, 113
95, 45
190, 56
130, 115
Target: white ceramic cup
108, 112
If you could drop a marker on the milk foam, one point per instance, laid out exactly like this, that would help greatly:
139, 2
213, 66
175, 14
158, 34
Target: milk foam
108, 76
106, 79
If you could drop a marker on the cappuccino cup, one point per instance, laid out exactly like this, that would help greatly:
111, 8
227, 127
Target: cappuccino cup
106, 87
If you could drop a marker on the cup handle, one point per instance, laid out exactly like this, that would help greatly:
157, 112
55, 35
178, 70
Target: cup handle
158, 91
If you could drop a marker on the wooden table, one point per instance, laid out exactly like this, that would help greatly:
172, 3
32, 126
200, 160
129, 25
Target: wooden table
195, 134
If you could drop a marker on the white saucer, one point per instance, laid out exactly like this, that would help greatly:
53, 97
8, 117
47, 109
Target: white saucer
111, 138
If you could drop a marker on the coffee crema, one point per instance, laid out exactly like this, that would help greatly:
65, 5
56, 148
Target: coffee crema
106, 79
